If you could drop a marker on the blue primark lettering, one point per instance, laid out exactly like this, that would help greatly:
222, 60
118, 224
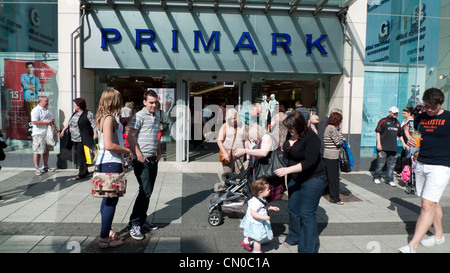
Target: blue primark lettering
240, 44
284, 44
175, 40
139, 38
112, 36
310, 45
198, 36
107, 39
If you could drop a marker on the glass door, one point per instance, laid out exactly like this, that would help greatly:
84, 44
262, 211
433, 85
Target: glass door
207, 96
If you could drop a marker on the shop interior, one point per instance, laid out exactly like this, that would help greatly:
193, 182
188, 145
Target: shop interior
286, 92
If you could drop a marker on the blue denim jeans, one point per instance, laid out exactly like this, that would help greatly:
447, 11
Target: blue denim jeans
303, 202
383, 158
146, 175
108, 205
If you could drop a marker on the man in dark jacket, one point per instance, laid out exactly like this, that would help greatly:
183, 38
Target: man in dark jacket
388, 131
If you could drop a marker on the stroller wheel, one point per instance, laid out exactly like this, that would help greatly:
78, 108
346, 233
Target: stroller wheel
408, 190
215, 218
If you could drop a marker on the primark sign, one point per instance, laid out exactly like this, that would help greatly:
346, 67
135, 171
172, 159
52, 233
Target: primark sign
129, 39
147, 36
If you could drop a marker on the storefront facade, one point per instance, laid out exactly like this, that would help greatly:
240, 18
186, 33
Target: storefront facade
180, 47
234, 52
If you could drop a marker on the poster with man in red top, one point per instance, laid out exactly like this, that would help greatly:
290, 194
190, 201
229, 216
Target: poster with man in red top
26, 82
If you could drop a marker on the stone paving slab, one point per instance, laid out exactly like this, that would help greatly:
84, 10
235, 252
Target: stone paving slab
54, 213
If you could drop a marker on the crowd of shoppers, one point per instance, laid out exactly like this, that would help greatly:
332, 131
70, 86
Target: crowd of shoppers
311, 147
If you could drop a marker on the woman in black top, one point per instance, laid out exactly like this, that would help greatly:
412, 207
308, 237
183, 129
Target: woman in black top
83, 132
306, 182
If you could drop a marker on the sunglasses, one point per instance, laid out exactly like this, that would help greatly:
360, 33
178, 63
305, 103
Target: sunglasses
429, 107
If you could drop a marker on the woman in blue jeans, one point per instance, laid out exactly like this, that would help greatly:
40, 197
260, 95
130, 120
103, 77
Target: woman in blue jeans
306, 182
109, 159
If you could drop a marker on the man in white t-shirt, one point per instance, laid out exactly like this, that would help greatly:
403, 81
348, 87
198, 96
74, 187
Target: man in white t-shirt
41, 118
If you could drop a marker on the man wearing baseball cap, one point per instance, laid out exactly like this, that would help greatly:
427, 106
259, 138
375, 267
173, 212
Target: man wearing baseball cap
387, 131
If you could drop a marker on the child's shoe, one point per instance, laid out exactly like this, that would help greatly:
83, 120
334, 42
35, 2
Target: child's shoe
246, 246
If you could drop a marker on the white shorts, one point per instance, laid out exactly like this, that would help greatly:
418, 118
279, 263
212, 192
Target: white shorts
431, 181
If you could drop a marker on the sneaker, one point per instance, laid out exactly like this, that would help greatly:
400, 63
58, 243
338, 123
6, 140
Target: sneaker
246, 246
407, 249
377, 181
47, 169
38, 171
432, 241
135, 232
147, 226
392, 183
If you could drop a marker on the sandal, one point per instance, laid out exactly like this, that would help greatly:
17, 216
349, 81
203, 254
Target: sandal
339, 203
113, 236
109, 244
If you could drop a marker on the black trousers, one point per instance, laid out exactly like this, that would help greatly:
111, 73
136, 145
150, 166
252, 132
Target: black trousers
332, 167
146, 176
80, 159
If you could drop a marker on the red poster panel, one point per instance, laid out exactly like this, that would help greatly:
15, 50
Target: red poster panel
18, 123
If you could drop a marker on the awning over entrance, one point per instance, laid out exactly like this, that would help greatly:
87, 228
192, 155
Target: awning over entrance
290, 6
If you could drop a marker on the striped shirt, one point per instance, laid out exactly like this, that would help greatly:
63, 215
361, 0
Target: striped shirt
332, 139
147, 126
304, 111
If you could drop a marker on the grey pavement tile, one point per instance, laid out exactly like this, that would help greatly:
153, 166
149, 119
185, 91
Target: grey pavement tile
49, 209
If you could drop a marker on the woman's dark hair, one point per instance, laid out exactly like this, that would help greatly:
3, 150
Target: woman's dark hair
408, 109
296, 121
417, 110
80, 102
335, 119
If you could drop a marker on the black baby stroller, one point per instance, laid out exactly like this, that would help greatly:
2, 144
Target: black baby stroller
233, 199
408, 175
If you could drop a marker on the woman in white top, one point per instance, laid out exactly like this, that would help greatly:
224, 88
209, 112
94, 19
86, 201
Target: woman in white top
109, 159
231, 136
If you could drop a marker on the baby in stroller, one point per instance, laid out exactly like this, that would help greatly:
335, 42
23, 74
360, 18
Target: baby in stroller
407, 174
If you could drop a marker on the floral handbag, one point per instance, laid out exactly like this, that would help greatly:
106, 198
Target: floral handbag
108, 185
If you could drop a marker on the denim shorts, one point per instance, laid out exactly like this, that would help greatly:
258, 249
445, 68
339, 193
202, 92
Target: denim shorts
110, 168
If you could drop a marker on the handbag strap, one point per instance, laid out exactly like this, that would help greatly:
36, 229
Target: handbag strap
232, 145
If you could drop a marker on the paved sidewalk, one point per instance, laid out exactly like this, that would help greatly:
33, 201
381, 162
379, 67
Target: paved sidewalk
54, 213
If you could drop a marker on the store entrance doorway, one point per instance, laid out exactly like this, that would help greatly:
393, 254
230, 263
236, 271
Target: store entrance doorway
207, 104
205, 96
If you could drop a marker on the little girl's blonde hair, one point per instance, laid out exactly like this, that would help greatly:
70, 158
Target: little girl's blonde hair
259, 185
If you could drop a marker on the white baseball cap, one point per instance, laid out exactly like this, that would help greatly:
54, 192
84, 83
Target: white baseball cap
393, 109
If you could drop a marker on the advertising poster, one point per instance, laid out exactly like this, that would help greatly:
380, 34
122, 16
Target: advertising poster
25, 81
